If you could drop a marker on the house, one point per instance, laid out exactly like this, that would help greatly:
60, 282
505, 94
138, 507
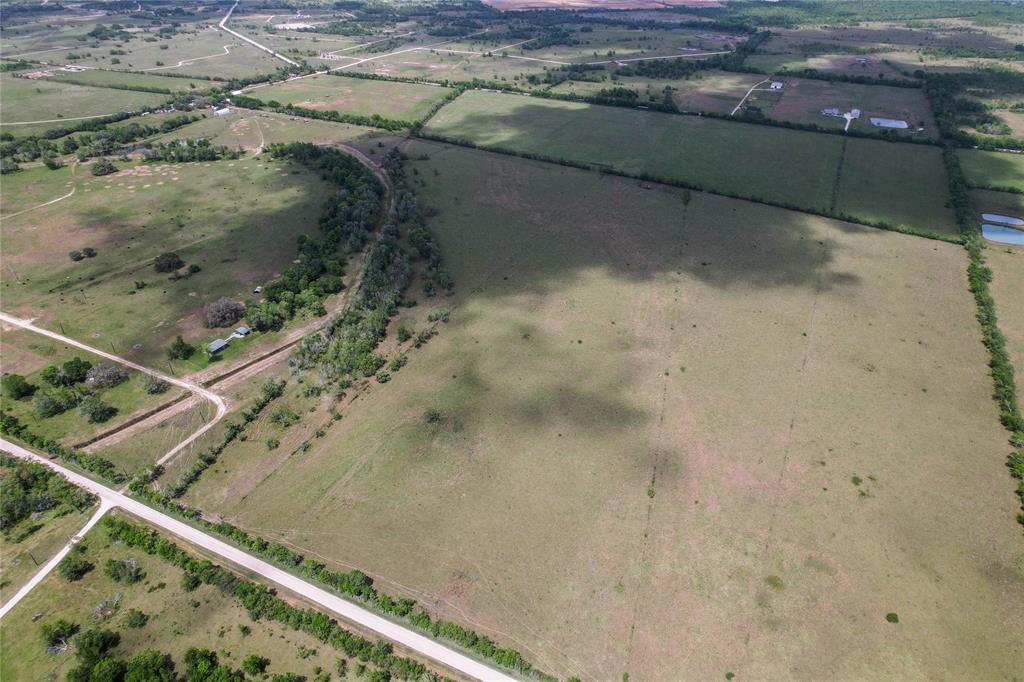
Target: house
217, 346
854, 113
776, 85
221, 112
832, 111
237, 92
242, 331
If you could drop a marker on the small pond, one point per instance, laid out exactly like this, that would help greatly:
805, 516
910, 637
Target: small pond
1002, 234
1003, 219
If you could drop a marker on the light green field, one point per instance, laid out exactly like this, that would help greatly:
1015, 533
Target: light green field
35, 185
602, 409
722, 156
178, 620
27, 353
993, 169
401, 101
23, 100
101, 78
240, 229
142, 445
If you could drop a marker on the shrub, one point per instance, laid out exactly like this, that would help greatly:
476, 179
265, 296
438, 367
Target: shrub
383, 377
135, 619
75, 255
95, 410
153, 385
89, 252
103, 167
273, 443
124, 571
180, 350
53, 163
105, 375
403, 334
74, 566
189, 581
167, 262
57, 633
892, 618
54, 401
223, 312
16, 387
254, 664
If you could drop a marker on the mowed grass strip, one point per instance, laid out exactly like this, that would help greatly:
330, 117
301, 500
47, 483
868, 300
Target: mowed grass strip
993, 169
788, 167
398, 101
663, 405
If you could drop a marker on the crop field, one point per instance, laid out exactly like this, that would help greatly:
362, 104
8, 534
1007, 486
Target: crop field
27, 354
240, 230
26, 101
721, 156
993, 169
598, 402
401, 101
803, 99
107, 78
714, 91
21, 557
1007, 263
178, 620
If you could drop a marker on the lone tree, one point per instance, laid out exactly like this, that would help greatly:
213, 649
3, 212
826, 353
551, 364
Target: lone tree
103, 167
167, 262
223, 312
180, 349
95, 410
16, 387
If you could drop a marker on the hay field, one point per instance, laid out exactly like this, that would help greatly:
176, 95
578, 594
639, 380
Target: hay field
609, 486
992, 169
402, 101
23, 100
240, 229
251, 130
723, 156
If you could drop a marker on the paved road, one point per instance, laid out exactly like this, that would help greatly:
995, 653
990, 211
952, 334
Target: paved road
385, 628
221, 406
223, 27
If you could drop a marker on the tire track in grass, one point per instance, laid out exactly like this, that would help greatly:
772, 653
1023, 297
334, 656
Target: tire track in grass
839, 175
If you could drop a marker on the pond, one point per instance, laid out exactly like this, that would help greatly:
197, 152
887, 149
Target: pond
1002, 234
1004, 219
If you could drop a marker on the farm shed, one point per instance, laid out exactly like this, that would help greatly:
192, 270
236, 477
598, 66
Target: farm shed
888, 123
221, 112
776, 85
217, 346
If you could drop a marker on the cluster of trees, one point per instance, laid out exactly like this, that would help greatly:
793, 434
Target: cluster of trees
63, 391
102, 167
261, 603
187, 150
953, 112
223, 312
105, 469
29, 487
269, 391
376, 120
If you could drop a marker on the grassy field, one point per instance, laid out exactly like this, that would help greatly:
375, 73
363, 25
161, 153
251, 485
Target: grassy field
106, 78
832, 63
241, 231
33, 186
142, 446
23, 100
402, 101
19, 560
250, 130
898, 183
178, 620
1003, 203
714, 91
722, 156
993, 169
1007, 265
598, 405
803, 99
